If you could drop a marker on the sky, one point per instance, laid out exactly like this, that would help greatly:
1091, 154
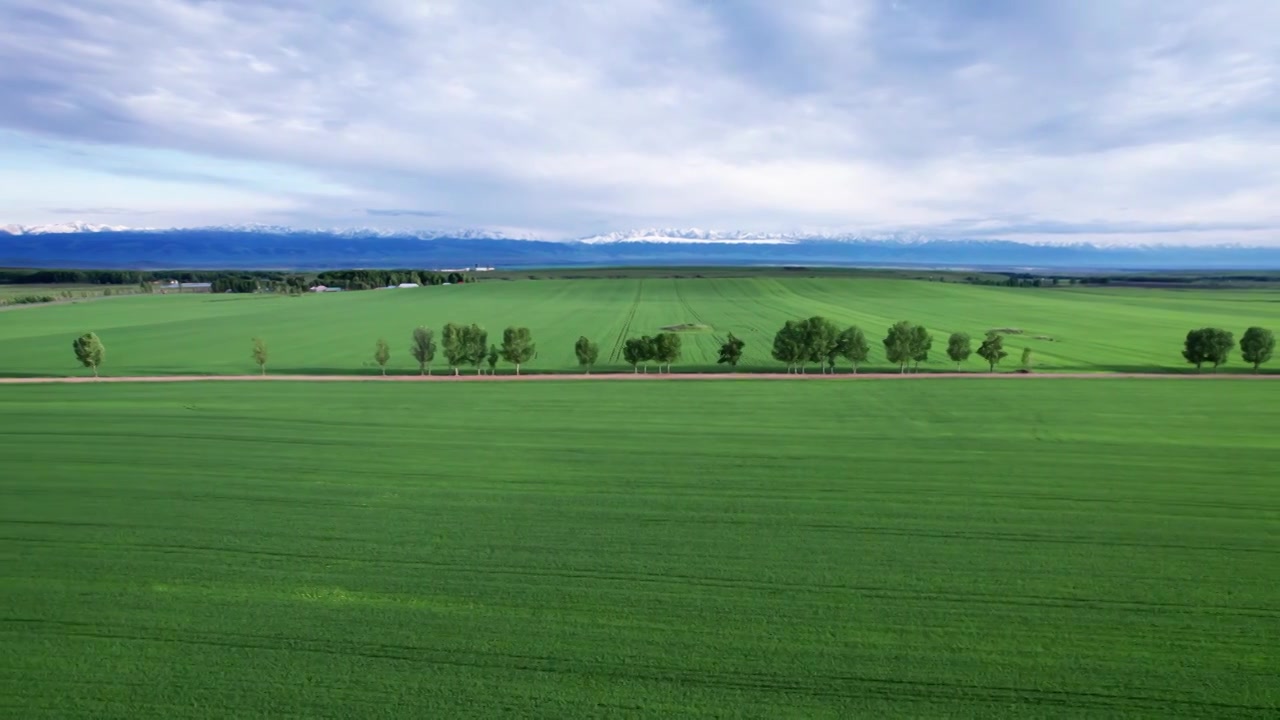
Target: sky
1103, 121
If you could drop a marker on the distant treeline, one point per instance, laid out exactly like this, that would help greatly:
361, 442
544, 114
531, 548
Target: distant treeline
367, 279
236, 280
370, 279
1028, 280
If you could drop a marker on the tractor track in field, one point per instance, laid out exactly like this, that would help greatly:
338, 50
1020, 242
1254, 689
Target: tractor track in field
607, 377
694, 313
626, 324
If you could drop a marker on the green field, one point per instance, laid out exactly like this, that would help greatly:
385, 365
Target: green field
1065, 548
1068, 329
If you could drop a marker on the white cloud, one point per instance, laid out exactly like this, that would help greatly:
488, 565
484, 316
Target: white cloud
578, 118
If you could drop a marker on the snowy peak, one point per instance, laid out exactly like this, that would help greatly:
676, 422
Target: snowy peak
72, 228
692, 235
696, 235
368, 232
60, 229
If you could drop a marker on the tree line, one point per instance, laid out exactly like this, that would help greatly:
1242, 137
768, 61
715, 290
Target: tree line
820, 341
1214, 345
240, 281
373, 279
799, 343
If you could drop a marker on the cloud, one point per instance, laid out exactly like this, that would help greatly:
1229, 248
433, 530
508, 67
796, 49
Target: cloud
97, 211
1094, 118
404, 213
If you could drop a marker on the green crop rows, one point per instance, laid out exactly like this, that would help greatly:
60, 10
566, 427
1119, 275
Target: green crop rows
1069, 329
1086, 549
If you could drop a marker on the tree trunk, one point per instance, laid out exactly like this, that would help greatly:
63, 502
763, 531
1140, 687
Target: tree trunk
455, 371
384, 371
517, 368
95, 371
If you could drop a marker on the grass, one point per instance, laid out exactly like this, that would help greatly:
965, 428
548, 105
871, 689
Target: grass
1079, 549
1130, 329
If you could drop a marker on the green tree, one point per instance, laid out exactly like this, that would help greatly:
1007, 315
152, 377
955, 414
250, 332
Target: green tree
666, 349
992, 350
1208, 345
475, 344
260, 354
1220, 344
1026, 358
587, 353
89, 351
493, 357
1256, 346
381, 354
959, 348
900, 344
1194, 348
852, 346
648, 351
517, 346
821, 342
921, 343
633, 352
423, 349
455, 352
731, 351
788, 344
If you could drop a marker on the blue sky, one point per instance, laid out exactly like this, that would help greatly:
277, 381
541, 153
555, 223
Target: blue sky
1109, 121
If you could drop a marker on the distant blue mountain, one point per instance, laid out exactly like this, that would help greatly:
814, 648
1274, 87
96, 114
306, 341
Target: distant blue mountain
278, 248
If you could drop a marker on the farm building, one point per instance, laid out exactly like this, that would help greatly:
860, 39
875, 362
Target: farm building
196, 287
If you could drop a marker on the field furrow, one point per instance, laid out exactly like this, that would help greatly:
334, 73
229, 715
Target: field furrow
1065, 549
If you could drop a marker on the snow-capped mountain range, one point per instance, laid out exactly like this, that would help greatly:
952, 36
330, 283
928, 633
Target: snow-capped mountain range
83, 227
60, 228
696, 235
646, 235
84, 245
682, 236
